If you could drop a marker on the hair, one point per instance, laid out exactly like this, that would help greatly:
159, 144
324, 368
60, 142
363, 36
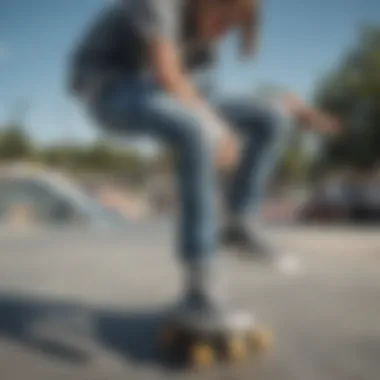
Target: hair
249, 26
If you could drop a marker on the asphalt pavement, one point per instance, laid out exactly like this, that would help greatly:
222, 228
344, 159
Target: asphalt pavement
85, 305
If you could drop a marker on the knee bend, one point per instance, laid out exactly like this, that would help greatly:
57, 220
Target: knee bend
191, 137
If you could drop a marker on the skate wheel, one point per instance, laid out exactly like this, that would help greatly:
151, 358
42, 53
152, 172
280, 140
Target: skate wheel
201, 356
235, 350
260, 339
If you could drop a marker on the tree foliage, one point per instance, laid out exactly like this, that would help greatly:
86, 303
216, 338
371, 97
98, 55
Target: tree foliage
352, 92
15, 145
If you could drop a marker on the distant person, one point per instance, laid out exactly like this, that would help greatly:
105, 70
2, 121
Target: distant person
133, 72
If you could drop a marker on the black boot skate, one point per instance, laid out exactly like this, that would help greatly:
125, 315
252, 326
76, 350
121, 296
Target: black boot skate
202, 331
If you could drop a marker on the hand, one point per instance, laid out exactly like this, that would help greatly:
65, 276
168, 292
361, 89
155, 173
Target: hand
293, 104
227, 152
327, 124
226, 149
311, 117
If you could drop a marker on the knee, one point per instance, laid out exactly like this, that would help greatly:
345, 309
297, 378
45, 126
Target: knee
190, 137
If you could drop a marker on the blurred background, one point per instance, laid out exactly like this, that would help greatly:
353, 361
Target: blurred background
81, 304
326, 52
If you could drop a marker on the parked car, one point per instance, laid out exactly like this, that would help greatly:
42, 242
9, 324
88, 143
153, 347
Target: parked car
343, 200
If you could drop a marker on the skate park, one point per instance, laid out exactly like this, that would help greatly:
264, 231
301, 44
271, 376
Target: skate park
85, 304
85, 300
90, 221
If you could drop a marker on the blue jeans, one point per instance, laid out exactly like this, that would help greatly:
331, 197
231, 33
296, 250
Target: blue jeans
137, 107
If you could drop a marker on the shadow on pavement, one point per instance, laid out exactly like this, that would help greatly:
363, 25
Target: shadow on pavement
71, 332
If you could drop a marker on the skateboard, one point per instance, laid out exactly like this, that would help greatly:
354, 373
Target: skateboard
201, 348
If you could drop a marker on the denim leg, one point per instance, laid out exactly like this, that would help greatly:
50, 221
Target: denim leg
151, 113
262, 129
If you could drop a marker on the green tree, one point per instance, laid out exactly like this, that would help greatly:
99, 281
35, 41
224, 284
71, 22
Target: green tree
352, 92
294, 164
15, 143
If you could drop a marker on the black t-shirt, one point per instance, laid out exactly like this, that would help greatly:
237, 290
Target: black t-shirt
115, 44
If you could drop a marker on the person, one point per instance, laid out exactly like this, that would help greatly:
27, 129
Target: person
134, 72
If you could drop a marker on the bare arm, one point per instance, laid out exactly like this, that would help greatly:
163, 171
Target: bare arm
251, 29
169, 73
310, 117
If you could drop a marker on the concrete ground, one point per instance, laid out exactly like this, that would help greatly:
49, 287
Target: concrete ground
82, 305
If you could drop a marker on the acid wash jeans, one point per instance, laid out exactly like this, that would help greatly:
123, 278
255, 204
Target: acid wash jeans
135, 106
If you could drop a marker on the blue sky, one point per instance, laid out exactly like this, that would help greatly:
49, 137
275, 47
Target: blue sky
300, 41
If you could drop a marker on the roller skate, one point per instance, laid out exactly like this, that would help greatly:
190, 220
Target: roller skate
201, 332
253, 245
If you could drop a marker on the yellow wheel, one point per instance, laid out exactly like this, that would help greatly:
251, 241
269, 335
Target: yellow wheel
236, 350
201, 356
260, 339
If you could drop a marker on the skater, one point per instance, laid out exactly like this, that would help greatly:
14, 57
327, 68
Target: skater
133, 71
